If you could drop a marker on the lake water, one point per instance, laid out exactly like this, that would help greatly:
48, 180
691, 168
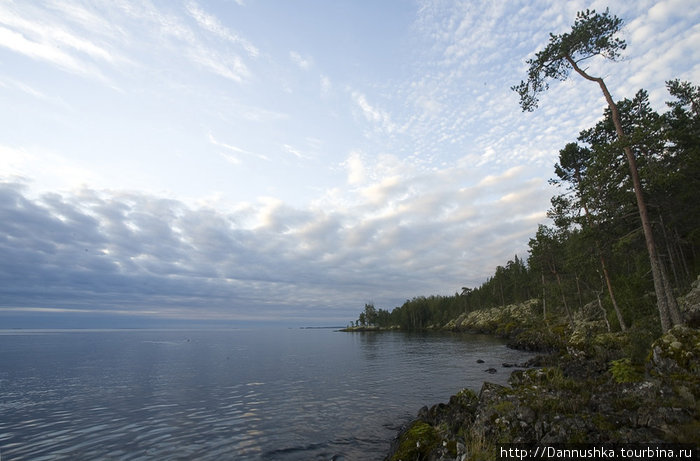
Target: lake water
277, 394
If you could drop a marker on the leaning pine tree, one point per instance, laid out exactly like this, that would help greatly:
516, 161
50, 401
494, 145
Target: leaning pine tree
593, 34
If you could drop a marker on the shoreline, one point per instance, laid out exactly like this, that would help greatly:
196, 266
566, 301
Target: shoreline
591, 386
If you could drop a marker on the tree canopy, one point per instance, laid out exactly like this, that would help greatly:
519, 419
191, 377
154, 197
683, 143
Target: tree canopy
591, 35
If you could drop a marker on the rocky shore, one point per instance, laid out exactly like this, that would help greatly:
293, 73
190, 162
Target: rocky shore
591, 386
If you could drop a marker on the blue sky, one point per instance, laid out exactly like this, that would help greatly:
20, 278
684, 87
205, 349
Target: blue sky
238, 161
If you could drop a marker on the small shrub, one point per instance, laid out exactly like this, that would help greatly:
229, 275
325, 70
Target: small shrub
477, 445
624, 371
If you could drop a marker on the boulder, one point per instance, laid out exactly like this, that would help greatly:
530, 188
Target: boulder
677, 354
690, 305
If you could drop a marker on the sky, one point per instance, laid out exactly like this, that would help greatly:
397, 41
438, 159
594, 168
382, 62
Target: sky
240, 162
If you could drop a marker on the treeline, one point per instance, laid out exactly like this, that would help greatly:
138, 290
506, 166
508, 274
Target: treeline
595, 250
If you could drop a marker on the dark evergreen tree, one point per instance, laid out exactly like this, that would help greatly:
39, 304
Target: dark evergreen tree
594, 35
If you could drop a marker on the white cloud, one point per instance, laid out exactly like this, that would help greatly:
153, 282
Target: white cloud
373, 114
295, 152
304, 63
235, 149
231, 67
326, 85
232, 159
28, 89
57, 172
17, 42
355, 167
42, 32
496, 179
81, 46
213, 25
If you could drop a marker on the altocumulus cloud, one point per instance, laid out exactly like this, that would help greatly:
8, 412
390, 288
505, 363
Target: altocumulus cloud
142, 255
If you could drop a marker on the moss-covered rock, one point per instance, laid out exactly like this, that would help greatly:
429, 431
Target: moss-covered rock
520, 323
497, 320
588, 322
538, 338
416, 442
675, 358
677, 352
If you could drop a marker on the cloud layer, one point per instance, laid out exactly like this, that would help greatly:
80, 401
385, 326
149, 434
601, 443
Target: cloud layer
383, 242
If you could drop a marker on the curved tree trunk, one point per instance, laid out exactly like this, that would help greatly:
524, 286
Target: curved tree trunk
668, 310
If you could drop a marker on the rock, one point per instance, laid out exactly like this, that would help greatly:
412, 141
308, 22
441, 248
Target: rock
491, 370
479, 361
526, 415
536, 339
690, 305
416, 442
498, 320
514, 365
677, 354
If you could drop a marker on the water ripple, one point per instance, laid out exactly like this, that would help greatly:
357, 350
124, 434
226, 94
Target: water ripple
294, 395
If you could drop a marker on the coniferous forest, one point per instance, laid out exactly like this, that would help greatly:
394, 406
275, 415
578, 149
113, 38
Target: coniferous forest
625, 217
594, 250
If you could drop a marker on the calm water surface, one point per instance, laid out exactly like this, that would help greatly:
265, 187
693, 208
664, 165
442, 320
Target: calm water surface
286, 394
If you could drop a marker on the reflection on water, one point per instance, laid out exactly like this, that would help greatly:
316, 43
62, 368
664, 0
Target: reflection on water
211, 395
